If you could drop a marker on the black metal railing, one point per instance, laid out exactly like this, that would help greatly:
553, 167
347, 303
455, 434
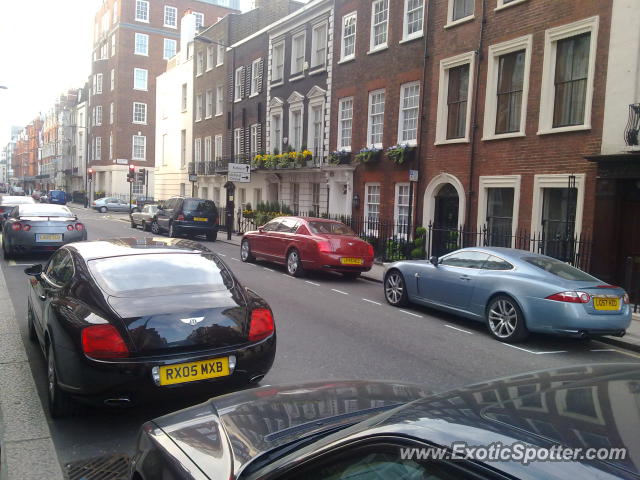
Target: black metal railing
632, 130
632, 280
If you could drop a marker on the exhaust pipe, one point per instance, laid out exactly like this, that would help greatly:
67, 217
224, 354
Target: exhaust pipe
117, 402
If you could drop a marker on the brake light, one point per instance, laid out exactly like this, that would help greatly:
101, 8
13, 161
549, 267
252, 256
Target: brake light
261, 325
570, 297
369, 250
79, 227
625, 299
180, 217
103, 341
324, 246
16, 227
26, 228
70, 228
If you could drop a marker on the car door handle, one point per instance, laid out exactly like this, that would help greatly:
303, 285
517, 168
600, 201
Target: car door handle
465, 277
42, 297
417, 275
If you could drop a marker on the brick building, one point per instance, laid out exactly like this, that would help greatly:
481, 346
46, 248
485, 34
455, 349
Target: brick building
26, 155
133, 39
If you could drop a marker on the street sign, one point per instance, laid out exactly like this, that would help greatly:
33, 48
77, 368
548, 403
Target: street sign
193, 177
239, 168
413, 175
238, 177
122, 161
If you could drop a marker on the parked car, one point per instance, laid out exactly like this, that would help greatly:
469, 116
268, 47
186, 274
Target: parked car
138, 203
16, 191
187, 216
513, 291
7, 202
58, 197
110, 204
126, 320
144, 218
382, 430
36, 194
308, 244
40, 228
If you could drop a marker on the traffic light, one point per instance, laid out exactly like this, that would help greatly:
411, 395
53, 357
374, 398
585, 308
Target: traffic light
90, 174
131, 176
141, 176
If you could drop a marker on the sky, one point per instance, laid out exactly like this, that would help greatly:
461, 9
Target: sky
45, 49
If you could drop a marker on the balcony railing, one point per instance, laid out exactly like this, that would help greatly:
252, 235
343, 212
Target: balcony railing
632, 131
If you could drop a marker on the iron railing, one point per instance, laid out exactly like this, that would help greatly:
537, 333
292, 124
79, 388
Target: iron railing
632, 130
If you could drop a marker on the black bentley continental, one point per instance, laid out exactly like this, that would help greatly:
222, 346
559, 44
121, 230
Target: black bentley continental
122, 321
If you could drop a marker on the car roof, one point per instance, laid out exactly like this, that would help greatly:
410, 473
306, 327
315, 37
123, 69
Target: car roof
504, 252
118, 247
8, 199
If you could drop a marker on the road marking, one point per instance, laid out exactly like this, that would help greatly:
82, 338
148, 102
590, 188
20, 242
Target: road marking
371, 301
623, 352
602, 350
12, 263
312, 283
287, 276
268, 269
459, 329
339, 291
222, 254
236, 259
531, 351
412, 314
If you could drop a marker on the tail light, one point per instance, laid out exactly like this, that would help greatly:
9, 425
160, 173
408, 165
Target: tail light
26, 228
261, 325
103, 341
625, 299
79, 227
369, 250
324, 246
16, 227
570, 297
70, 228
180, 217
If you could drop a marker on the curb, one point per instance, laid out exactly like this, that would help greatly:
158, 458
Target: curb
26, 447
618, 342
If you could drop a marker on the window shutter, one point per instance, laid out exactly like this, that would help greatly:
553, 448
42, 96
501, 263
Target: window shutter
260, 74
247, 136
242, 143
243, 84
247, 81
259, 139
231, 86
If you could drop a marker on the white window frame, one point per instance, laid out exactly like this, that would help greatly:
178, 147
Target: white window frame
141, 36
199, 19
207, 149
113, 79
217, 145
237, 142
315, 103
275, 112
238, 79
98, 115
499, 181
143, 107
141, 3
341, 109
277, 66
493, 70
253, 142
547, 93
293, 142
451, 22
401, 114
199, 107
315, 39
98, 88
115, 12
406, 37
561, 180
113, 44
110, 146
219, 100
220, 56
146, 79
294, 53
501, 5
144, 148
366, 203
255, 77
197, 152
369, 124
97, 154
210, 60
199, 62
184, 98
396, 209
167, 9
111, 112
443, 87
169, 41
351, 56
208, 104
382, 46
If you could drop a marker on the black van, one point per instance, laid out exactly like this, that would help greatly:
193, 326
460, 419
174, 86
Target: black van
187, 216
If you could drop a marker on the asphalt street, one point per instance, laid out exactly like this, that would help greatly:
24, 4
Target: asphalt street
328, 328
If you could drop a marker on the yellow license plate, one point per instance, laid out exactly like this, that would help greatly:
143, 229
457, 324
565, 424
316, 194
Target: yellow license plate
351, 261
49, 237
199, 219
191, 372
606, 303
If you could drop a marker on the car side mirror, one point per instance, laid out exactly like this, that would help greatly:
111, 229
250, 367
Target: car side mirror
261, 229
434, 260
34, 270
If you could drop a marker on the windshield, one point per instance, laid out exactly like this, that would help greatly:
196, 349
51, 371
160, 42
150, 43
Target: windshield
332, 228
560, 269
199, 205
160, 273
44, 210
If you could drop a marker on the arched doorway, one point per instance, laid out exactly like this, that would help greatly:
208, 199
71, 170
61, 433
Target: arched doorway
445, 220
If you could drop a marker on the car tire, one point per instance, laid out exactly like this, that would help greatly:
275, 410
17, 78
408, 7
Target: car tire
245, 252
395, 289
103, 209
30, 325
60, 404
172, 231
505, 320
294, 263
212, 236
6, 254
351, 275
133, 224
155, 228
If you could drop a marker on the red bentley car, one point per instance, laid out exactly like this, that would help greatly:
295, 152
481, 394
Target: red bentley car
308, 244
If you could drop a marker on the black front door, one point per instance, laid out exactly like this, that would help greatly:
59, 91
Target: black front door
445, 232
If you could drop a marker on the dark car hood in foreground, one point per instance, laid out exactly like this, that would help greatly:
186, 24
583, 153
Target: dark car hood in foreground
255, 421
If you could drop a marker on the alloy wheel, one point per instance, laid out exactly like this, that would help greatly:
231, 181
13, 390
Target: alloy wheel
394, 290
293, 263
245, 251
51, 376
155, 228
503, 318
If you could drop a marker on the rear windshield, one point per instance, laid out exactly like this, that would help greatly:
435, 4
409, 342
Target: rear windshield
44, 210
160, 273
333, 228
199, 205
560, 269
16, 200
57, 193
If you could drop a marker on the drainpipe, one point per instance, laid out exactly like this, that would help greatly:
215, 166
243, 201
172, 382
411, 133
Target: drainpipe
474, 115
